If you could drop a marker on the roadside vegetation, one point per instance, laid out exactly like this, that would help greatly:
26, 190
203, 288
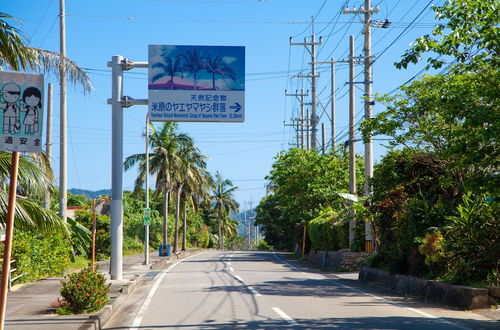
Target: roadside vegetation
435, 203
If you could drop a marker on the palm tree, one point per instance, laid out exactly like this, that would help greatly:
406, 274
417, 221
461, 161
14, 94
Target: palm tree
164, 163
169, 68
193, 62
191, 181
15, 54
216, 66
33, 179
224, 202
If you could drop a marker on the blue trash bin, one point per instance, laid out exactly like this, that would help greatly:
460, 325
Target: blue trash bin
164, 250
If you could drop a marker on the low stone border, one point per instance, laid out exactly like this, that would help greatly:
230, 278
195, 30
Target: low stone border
460, 296
343, 260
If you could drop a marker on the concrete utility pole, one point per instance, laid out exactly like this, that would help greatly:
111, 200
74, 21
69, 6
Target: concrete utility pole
332, 99
367, 11
323, 141
250, 203
300, 121
63, 164
308, 135
313, 76
146, 226
352, 134
48, 141
118, 101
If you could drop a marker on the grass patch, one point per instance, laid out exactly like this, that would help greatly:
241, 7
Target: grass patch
79, 263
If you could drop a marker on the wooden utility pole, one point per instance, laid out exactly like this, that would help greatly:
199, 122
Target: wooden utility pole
93, 233
9, 232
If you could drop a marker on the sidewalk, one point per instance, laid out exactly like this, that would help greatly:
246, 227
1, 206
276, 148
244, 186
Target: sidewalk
31, 305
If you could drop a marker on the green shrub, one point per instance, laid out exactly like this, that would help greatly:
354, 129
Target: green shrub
37, 255
263, 245
330, 230
102, 237
83, 292
472, 239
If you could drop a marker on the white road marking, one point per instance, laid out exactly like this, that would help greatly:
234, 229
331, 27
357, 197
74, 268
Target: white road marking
231, 269
229, 263
140, 315
285, 317
441, 320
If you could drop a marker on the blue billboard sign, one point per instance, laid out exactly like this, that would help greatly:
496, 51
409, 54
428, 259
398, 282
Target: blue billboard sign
196, 83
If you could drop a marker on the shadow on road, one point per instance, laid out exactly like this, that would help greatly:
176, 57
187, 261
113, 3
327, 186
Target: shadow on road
332, 323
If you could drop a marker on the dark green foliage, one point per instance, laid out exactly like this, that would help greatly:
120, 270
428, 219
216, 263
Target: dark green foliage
84, 292
473, 239
412, 191
37, 255
303, 183
262, 245
102, 236
325, 235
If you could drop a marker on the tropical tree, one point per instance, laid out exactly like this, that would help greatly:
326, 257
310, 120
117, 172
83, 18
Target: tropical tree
189, 179
16, 54
224, 203
193, 63
165, 163
216, 66
169, 68
32, 179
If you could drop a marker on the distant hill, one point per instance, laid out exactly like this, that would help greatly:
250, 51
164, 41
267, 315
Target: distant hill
90, 193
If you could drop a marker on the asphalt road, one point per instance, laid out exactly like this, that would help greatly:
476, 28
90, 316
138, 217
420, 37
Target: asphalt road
265, 290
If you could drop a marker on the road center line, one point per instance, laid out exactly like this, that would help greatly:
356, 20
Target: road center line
441, 320
145, 305
285, 317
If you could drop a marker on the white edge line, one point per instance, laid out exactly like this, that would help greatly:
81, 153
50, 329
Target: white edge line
145, 305
382, 299
284, 316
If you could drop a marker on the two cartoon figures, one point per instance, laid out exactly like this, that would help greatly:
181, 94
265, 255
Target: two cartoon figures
12, 108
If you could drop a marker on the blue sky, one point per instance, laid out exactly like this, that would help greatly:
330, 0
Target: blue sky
242, 152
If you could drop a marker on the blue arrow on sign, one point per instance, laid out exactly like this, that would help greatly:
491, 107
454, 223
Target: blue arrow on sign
236, 106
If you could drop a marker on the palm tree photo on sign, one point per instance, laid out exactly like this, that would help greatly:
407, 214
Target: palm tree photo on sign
220, 68
216, 66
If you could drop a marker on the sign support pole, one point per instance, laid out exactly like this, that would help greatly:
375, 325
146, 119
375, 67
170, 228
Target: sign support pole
116, 266
8, 236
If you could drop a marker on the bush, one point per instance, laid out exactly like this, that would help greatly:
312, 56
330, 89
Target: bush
38, 256
472, 239
83, 292
263, 245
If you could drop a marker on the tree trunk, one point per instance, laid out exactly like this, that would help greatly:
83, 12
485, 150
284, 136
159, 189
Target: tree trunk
166, 199
177, 216
184, 227
221, 235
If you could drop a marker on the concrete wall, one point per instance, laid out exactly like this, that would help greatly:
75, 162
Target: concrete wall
343, 260
454, 295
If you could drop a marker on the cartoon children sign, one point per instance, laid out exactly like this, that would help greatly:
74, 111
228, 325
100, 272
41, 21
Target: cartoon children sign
21, 111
